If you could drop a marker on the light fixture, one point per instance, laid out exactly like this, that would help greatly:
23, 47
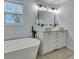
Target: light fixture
57, 11
35, 6
45, 8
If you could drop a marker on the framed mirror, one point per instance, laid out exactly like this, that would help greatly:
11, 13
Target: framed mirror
47, 18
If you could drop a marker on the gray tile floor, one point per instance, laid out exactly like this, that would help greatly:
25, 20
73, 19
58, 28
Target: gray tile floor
63, 53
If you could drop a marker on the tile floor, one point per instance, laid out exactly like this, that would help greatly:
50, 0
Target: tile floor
63, 53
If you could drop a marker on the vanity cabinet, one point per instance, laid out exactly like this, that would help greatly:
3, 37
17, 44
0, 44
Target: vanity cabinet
51, 40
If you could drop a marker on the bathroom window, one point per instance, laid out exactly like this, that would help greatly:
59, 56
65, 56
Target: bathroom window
13, 13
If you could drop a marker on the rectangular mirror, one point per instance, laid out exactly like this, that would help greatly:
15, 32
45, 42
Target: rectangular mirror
45, 17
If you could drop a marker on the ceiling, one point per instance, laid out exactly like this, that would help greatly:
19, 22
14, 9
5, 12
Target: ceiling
54, 2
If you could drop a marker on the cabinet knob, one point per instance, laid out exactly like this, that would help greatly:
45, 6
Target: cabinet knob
56, 36
49, 33
56, 40
56, 45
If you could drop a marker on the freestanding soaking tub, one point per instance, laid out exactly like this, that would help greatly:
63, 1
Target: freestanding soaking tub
25, 48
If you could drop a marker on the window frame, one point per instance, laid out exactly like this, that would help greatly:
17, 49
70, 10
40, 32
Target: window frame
13, 24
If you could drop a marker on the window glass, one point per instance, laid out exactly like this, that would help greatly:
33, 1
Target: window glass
13, 13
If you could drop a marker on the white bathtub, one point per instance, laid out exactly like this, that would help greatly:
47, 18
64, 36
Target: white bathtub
26, 48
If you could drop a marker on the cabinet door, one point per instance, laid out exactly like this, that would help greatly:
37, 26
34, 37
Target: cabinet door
61, 39
49, 43
52, 41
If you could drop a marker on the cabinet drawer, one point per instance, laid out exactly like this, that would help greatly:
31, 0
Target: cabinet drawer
50, 35
60, 44
60, 39
61, 36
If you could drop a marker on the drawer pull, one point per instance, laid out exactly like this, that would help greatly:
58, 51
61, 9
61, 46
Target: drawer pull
49, 33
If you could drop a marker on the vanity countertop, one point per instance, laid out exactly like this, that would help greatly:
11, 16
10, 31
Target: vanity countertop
49, 29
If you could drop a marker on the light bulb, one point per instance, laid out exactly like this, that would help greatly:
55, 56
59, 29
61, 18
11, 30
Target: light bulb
57, 11
35, 6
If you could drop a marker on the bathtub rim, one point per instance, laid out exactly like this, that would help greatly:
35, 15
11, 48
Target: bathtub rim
21, 48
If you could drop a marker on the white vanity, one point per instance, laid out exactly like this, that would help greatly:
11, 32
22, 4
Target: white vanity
51, 39
49, 33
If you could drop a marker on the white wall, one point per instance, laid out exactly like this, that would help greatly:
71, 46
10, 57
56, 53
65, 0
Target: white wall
24, 30
66, 18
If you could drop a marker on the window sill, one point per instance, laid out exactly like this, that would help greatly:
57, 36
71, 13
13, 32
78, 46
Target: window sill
11, 25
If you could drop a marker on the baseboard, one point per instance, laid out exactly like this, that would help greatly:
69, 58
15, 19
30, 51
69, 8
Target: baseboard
70, 48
